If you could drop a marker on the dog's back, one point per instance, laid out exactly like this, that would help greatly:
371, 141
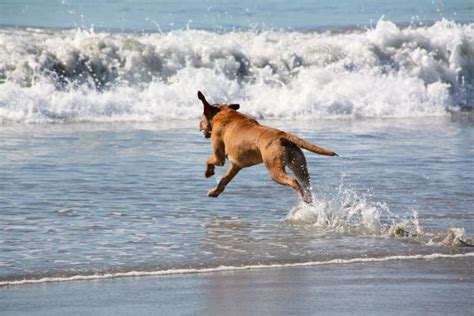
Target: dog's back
241, 136
242, 140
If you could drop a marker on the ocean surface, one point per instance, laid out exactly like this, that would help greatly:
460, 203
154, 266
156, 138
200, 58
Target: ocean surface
102, 164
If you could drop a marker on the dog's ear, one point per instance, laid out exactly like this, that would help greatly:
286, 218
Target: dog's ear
234, 106
207, 107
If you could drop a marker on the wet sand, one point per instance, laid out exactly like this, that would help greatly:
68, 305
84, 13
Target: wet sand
434, 287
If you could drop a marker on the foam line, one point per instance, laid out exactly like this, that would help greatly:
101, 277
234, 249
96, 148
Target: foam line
234, 268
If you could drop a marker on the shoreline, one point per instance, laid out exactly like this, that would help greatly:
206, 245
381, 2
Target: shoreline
408, 287
219, 269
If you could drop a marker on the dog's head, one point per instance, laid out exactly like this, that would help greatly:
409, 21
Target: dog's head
210, 111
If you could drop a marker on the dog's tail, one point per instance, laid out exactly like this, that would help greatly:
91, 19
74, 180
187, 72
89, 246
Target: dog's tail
308, 146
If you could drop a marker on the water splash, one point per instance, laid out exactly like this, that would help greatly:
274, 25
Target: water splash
346, 212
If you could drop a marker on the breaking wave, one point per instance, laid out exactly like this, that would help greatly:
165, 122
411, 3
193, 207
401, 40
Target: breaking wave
385, 71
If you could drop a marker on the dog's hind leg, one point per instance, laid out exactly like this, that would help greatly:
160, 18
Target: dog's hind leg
297, 164
278, 174
229, 175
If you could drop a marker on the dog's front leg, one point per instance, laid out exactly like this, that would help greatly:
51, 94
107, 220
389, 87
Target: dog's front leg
229, 175
217, 159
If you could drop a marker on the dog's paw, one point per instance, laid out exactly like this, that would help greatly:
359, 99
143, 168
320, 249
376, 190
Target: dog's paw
213, 193
209, 172
308, 199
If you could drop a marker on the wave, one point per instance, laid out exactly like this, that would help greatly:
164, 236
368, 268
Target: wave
385, 71
79, 277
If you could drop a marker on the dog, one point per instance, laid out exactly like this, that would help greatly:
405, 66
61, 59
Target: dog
245, 143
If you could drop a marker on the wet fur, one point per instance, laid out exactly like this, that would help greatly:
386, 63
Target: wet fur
244, 142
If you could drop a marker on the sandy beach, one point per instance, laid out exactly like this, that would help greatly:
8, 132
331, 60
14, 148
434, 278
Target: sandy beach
419, 287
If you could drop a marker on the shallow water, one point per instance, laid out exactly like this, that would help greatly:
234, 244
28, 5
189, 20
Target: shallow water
81, 199
101, 163
225, 15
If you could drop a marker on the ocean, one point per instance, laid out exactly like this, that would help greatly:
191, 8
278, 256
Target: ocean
102, 163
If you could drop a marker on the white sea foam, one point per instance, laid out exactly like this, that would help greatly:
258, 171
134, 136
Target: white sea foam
432, 256
386, 71
455, 237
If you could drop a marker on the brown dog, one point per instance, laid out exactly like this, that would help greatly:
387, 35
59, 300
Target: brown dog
245, 143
